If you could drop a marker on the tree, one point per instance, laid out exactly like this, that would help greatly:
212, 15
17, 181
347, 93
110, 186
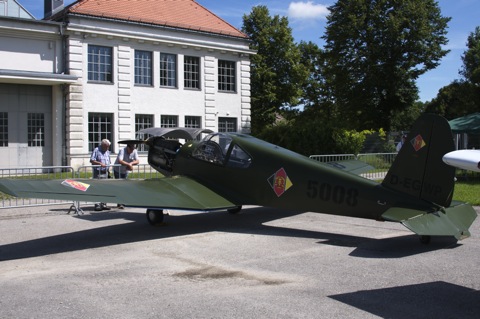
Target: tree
461, 97
457, 99
471, 58
403, 119
316, 97
376, 49
276, 73
312, 58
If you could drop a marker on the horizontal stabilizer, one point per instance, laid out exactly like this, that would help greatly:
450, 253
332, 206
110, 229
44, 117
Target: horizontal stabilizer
451, 221
352, 166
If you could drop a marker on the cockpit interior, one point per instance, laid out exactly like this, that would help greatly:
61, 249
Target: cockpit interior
215, 148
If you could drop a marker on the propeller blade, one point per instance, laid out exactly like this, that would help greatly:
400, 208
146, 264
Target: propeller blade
133, 142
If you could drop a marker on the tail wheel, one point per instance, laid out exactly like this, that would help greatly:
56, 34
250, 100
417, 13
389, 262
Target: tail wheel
155, 216
235, 210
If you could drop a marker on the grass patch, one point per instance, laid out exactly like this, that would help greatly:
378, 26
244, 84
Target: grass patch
467, 192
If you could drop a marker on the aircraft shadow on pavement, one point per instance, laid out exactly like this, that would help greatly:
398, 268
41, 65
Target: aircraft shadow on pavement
426, 300
250, 221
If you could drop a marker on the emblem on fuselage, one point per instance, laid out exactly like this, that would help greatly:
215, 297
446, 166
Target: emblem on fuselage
280, 182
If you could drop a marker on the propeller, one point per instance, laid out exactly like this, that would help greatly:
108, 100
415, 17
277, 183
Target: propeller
170, 132
134, 142
149, 141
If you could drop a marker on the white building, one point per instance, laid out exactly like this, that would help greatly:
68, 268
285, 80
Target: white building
105, 69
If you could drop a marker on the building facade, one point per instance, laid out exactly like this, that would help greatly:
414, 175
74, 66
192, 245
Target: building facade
129, 66
32, 83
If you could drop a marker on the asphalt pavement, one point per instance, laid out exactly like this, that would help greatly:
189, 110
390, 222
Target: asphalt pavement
261, 263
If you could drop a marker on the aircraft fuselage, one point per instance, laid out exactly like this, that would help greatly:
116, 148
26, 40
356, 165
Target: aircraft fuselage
276, 177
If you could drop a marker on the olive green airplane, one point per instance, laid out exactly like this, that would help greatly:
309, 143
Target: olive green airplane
224, 171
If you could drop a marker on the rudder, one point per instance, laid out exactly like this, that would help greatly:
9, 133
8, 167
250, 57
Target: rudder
418, 169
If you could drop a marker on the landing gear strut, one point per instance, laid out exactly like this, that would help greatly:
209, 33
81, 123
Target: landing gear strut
155, 216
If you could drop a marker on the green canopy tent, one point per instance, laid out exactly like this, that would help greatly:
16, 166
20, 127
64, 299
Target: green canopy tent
469, 124
467, 130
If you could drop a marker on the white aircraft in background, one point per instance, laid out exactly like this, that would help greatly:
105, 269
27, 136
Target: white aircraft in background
464, 159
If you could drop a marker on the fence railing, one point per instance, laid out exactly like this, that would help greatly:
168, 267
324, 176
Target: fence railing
380, 162
141, 171
46, 172
333, 157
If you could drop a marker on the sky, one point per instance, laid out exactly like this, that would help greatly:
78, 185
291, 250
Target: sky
307, 18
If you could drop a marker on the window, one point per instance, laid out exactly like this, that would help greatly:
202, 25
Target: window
99, 127
226, 76
143, 68
3, 128
238, 158
168, 70
191, 70
227, 124
169, 121
100, 63
218, 148
212, 148
3, 8
36, 129
142, 121
193, 121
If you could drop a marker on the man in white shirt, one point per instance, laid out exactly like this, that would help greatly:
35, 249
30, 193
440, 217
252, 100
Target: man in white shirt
400, 144
127, 158
100, 158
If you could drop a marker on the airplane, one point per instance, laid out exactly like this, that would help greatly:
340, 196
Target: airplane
464, 159
225, 171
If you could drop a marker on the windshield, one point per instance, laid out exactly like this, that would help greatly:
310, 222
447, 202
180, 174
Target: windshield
218, 149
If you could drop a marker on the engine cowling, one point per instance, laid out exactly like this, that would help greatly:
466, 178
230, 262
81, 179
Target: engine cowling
162, 153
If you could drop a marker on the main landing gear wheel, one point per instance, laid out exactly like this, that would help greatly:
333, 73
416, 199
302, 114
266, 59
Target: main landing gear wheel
425, 239
155, 216
235, 210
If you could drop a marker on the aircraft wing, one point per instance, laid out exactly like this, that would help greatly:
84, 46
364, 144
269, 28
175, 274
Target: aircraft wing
169, 192
464, 159
452, 221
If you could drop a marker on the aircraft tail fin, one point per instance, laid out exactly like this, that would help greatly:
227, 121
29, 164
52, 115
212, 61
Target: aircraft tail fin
418, 169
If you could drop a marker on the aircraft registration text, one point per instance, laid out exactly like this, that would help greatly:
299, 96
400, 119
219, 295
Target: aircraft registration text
416, 185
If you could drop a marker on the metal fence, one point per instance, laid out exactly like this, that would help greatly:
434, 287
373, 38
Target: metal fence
333, 157
47, 172
141, 171
380, 162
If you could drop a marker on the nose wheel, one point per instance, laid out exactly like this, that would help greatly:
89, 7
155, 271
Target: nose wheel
155, 216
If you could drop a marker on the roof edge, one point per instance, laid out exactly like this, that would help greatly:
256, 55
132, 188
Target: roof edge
166, 24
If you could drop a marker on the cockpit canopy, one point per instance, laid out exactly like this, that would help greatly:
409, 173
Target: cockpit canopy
219, 148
